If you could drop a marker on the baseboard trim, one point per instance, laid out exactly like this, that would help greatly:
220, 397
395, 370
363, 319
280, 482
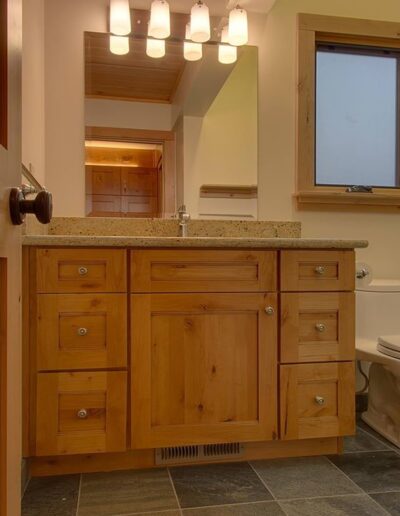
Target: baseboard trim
142, 459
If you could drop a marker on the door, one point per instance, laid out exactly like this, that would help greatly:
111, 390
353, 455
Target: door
204, 368
10, 259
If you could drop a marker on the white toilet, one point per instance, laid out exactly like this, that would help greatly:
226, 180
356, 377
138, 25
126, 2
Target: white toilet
378, 342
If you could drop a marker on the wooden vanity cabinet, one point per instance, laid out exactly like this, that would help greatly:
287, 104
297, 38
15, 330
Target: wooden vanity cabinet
132, 350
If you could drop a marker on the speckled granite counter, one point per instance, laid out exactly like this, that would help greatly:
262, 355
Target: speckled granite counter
193, 242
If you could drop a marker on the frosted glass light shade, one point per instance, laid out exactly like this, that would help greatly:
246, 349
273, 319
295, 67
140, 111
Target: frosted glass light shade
238, 27
155, 48
200, 23
160, 24
119, 45
120, 17
227, 54
191, 51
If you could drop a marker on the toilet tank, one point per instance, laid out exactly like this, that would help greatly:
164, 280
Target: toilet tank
378, 309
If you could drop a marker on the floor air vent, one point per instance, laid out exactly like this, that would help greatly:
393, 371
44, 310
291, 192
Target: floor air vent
200, 453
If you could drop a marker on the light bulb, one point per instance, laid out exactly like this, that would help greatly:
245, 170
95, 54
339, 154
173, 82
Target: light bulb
155, 48
120, 17
227, 54
160, 25
200, 23
238, 27
191, 51
119, 45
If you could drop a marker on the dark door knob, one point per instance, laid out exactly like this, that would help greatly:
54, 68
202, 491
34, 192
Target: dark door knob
41, 206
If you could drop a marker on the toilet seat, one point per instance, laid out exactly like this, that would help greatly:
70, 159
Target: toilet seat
389, 345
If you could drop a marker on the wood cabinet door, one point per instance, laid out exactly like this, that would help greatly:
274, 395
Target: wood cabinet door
103, 180
203, 271
317, 270
104, 205
317, 327
81, 413
80, 270
317, 400
81, 331
204, 369
140, 181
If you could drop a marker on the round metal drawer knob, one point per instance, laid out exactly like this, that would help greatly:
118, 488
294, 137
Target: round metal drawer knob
269, 310
82, 414
320, 327
319, 400
82, 332
83, 271
319, 270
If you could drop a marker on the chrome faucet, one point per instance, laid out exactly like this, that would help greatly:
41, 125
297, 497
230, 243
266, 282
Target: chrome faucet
184, 218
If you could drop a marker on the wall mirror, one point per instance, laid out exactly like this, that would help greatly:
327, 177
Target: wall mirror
165, 131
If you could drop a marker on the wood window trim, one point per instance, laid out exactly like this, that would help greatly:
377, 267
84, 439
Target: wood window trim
314, 29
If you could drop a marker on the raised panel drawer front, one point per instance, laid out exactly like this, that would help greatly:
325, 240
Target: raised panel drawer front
81, 331
81, 413
317, 327
317, 270
81, 270
203, 271
317, 400
204, 368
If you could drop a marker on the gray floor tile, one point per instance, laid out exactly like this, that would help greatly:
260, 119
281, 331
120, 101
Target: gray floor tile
390, 501
377, 436
51, 496
254, 509
350, 505
126, 492
372, 471
303, 478
363, 441
218, 484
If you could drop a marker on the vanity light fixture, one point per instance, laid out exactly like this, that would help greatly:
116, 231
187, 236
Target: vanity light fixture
155, 48
238, 33
120, 17
191, 51
160, 24
227, 54
200, 23
119, 45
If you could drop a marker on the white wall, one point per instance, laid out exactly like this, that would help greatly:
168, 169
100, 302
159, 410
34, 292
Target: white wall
33, 88
277, 85
130, 115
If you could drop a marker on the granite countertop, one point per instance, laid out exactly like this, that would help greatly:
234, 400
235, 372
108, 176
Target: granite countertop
192, 242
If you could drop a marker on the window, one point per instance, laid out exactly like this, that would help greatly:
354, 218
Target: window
348, 111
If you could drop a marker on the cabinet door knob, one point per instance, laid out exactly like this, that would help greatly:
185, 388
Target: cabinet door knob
82, 332
82, 414
319, 400
269, 310
320, 327
83, 271
320, 270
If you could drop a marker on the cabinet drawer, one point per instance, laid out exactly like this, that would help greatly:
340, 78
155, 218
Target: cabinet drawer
81, 270
80, 413
317, 270
317, 327
81, 331
317, 400
203, 271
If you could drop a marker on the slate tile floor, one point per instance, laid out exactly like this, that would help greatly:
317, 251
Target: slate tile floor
364, 481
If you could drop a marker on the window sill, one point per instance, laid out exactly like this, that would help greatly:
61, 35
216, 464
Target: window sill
348, 200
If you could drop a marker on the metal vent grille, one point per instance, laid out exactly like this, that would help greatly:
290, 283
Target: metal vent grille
198, 453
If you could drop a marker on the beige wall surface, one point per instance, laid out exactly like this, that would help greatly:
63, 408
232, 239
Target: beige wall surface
277, 113
33, 90
130, 115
